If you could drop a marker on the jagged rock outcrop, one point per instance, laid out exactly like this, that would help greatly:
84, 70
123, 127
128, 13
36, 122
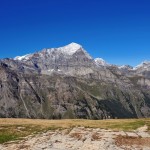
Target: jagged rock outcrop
67, 82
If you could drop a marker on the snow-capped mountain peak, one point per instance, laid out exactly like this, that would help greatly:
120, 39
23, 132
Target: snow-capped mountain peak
67, 50
70, 49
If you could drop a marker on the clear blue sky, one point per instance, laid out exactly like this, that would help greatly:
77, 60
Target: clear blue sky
116, 30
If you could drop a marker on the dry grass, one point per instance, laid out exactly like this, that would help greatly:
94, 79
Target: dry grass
24, 146
13, 129
96, 136
130, 141
76, 135
116, 124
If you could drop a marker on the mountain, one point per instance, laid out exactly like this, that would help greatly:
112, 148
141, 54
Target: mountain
67, 82
68, 59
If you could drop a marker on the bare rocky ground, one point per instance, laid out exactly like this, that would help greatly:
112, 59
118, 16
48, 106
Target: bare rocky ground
81, 138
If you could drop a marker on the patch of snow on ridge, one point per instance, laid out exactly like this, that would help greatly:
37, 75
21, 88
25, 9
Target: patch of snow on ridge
100, 62
122, 67
25, 57
144, 64
51, 70
126, 67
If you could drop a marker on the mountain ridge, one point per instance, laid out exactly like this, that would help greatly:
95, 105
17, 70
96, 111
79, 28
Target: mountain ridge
54, 84
72, 48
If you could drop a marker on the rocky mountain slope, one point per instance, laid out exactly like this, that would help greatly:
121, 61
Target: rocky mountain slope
67, 82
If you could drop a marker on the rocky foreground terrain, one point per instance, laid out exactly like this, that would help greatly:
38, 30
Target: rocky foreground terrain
80, 138
66, 82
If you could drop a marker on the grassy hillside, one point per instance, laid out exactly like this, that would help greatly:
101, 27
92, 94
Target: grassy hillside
14, 129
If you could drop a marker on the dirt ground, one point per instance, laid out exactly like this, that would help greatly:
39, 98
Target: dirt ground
81, 138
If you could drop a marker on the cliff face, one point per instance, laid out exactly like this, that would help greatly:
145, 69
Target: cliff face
67, 83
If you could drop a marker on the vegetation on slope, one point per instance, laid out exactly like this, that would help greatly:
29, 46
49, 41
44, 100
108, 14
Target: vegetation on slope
16, 129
